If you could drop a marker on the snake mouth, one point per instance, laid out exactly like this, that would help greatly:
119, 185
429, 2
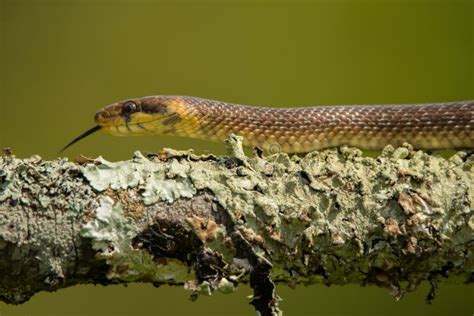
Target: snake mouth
120, 126
111, 119
109, 128
134, 125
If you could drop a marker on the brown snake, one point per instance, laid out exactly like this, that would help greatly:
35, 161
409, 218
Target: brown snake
293, 130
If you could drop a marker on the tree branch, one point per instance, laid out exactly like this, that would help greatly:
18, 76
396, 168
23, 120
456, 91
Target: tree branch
331, 217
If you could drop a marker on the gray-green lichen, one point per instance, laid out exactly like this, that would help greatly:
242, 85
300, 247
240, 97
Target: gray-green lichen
112, 233
157, 183
333, 217
326, 205
40, 203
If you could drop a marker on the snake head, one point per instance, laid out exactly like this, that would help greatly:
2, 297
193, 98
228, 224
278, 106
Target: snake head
147, 115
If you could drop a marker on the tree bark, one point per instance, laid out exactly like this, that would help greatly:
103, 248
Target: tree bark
210, 223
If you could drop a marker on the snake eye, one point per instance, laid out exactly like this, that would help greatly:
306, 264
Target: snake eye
129, 107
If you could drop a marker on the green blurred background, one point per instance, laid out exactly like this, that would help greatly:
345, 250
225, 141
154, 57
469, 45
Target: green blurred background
63, 60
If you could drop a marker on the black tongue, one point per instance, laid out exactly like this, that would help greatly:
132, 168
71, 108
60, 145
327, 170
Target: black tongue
83, 135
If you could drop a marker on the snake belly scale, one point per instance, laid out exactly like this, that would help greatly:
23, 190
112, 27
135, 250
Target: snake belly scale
293, 130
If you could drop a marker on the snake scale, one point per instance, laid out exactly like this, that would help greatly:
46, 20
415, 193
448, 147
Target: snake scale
293, 130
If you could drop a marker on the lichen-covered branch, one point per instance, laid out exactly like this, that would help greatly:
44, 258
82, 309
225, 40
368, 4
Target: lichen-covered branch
210, 223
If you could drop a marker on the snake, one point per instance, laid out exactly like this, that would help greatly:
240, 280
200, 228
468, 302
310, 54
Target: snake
434, 126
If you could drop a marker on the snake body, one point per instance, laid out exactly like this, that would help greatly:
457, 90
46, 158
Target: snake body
295, 130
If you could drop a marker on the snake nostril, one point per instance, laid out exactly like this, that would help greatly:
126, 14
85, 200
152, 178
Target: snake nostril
98, 117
